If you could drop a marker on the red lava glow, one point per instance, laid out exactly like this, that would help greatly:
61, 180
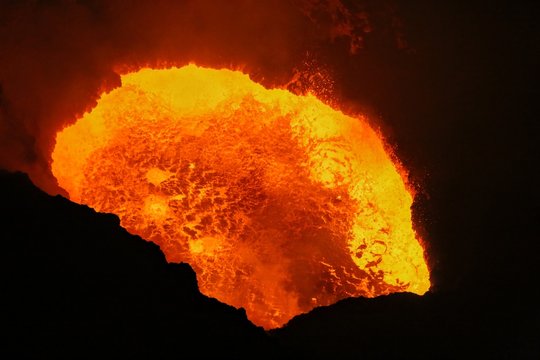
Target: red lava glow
278, 202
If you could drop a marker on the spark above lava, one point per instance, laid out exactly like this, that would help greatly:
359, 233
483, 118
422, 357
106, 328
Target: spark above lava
278, 202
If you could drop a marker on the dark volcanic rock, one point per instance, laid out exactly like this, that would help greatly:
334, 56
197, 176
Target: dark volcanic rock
74, 283
408, 326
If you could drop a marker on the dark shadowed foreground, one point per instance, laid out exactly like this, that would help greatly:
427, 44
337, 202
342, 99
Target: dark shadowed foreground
76, 284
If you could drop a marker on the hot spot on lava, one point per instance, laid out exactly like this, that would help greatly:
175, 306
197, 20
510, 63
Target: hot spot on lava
278, 202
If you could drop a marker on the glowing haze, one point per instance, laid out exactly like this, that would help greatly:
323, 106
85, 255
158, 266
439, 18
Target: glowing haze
279, 202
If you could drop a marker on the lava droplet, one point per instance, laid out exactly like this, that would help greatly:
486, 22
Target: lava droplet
279, 202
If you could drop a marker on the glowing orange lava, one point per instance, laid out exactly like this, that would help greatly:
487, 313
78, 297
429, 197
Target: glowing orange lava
279, 202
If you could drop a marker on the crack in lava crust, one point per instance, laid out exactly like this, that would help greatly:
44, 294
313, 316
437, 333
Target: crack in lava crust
277, 201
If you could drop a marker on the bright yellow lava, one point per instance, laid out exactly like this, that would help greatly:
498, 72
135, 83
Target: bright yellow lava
279, 202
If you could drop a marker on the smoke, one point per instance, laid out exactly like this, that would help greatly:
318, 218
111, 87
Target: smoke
58, 56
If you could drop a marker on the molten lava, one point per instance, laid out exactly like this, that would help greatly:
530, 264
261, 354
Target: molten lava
278, 202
